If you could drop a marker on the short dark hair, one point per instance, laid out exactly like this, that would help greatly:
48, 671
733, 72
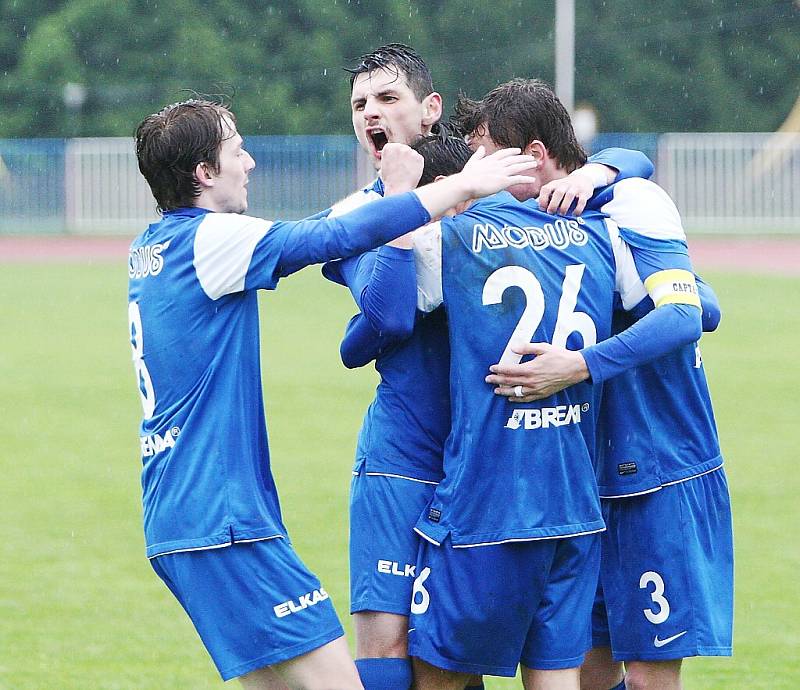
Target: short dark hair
172, 142
519, 112
444, 154
400, 59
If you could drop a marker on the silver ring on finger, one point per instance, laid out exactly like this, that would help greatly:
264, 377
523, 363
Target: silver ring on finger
518, 391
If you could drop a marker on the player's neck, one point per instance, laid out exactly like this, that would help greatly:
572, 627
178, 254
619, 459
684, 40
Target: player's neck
549, 171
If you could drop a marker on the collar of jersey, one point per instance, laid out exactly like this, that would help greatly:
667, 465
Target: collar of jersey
188, 211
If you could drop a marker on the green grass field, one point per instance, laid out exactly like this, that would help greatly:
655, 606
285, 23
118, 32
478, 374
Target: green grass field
80, 607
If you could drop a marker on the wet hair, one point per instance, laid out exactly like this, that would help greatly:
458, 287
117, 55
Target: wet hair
467, 116
444, 154
399, 59
172, 142
519, 112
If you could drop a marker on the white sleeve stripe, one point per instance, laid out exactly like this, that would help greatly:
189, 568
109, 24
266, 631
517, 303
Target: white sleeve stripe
428, 261
353, 202
643, 207
629, 285
223, 250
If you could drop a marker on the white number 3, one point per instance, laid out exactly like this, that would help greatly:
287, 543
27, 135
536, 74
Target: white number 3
657, 595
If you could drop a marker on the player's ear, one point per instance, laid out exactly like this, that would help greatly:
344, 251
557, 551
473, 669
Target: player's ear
431, 109
538, 150
203, 175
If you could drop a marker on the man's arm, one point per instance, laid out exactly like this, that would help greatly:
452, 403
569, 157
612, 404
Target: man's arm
383, 285
556, 368
712, 314
362, 344
385, 219
234, 253
602, 169
624, 163
658, 333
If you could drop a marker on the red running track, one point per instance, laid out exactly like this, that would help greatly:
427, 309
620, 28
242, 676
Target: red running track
774, 256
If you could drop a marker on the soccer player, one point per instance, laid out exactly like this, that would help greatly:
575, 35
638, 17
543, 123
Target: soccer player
509, 564
508, 569
399, 453
666, 585
213, 526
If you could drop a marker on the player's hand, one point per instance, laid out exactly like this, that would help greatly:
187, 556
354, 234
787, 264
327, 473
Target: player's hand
485, 175
401, 168
552, 370
557, 196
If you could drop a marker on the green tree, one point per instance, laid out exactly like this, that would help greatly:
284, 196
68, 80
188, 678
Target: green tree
685, 65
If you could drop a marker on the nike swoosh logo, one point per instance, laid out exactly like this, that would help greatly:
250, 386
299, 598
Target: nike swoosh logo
661, 643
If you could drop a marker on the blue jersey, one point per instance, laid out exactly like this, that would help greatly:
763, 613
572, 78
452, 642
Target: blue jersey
193, 319
657, 424
407, 423
513, 274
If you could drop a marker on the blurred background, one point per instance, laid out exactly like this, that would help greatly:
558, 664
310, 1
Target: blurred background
76, 76
708, 89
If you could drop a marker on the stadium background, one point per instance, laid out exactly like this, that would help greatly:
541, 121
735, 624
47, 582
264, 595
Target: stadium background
79, 606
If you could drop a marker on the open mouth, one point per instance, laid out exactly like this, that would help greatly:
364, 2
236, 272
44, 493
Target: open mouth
378, 138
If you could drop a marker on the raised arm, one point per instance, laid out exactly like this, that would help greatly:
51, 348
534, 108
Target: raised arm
234, 253
623, 163
385, 219
602, 169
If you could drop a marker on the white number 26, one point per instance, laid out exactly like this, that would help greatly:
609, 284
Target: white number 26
568, 320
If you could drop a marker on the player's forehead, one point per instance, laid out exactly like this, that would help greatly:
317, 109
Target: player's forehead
230, 135
381, 80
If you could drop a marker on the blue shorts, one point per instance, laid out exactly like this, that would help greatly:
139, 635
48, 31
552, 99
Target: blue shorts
666, 574
383, 544
486, 609
253, 604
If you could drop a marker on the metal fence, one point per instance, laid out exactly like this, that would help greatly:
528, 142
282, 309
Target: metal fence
722, 183
93, 186
733, 183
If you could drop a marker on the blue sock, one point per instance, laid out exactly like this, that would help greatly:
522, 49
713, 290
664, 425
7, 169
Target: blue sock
621, 686
384, 674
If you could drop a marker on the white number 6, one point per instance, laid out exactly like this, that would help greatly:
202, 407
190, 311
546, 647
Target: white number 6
425, 601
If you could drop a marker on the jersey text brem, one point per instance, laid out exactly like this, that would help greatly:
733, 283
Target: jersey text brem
545, 417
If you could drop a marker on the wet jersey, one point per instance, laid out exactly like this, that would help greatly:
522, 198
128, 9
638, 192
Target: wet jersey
405, 426
510, 273
656, 421
193, 319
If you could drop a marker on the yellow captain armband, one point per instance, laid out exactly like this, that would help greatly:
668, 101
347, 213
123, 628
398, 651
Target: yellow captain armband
673, 286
